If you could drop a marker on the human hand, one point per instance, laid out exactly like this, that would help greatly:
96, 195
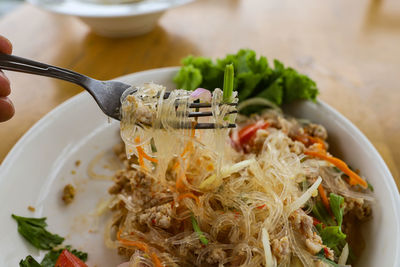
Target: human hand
6, 106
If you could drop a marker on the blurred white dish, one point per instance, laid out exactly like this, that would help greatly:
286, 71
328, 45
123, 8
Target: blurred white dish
40, 164
113, 20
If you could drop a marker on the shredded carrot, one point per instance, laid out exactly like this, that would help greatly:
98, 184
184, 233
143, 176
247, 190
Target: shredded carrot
190, 195
179, 184
341, 165
176, 165
187, 148
210, 167
317, 140
193, 133
310, 140
324, 198
141, 151
140, 245
141, 161
189, 144
142, 154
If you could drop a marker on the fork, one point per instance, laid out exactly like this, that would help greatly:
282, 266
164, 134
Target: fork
107, 94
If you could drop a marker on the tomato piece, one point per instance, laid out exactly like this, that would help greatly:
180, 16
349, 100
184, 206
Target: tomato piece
247, 132
67, 259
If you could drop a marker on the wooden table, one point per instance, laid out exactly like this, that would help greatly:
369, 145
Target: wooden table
351, 48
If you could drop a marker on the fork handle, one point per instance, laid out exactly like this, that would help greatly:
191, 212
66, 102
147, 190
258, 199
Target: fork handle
14, 63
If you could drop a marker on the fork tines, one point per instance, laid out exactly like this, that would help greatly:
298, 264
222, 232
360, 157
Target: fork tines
205, 113
197, 105
213, 126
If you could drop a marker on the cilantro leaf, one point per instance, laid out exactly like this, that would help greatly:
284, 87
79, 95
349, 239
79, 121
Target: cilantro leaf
29, 261
33, 230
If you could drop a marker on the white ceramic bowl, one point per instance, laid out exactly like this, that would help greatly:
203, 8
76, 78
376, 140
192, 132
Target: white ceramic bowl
40, 164
113, 20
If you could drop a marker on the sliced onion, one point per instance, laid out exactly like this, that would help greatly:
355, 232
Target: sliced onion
345, 254
214, 181
269, 259
305, 197
202, 94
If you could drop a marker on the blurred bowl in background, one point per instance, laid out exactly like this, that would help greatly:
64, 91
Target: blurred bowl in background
113, 18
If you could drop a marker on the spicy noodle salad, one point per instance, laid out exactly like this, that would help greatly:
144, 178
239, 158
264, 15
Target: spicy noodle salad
267, 193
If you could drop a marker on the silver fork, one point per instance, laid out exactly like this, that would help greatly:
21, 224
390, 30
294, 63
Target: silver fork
106, 93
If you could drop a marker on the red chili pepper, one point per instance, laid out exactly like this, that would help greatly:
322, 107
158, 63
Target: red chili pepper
153, 221
247, 132
326, 252
315, 221
262, 206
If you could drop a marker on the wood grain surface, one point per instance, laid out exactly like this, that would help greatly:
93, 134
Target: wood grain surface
351, 48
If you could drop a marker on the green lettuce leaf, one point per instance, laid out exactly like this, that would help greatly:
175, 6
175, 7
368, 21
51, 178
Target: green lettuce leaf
332, 236
254, 78
322, 214
337, 208
189, 78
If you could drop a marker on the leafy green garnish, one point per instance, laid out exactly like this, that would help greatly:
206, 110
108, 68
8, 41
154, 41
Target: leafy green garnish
33, 230
331, 232
322, 214
370, 187
332, 236
29, 261
196, 228
51, 257
189, 77
321, 256
228, 83
337, 208
253, 78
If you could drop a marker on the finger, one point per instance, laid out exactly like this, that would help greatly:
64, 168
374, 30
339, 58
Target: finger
5, 89
5, 45
6, 109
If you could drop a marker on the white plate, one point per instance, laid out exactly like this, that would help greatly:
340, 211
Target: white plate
113, 20
40, 164
91, 8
